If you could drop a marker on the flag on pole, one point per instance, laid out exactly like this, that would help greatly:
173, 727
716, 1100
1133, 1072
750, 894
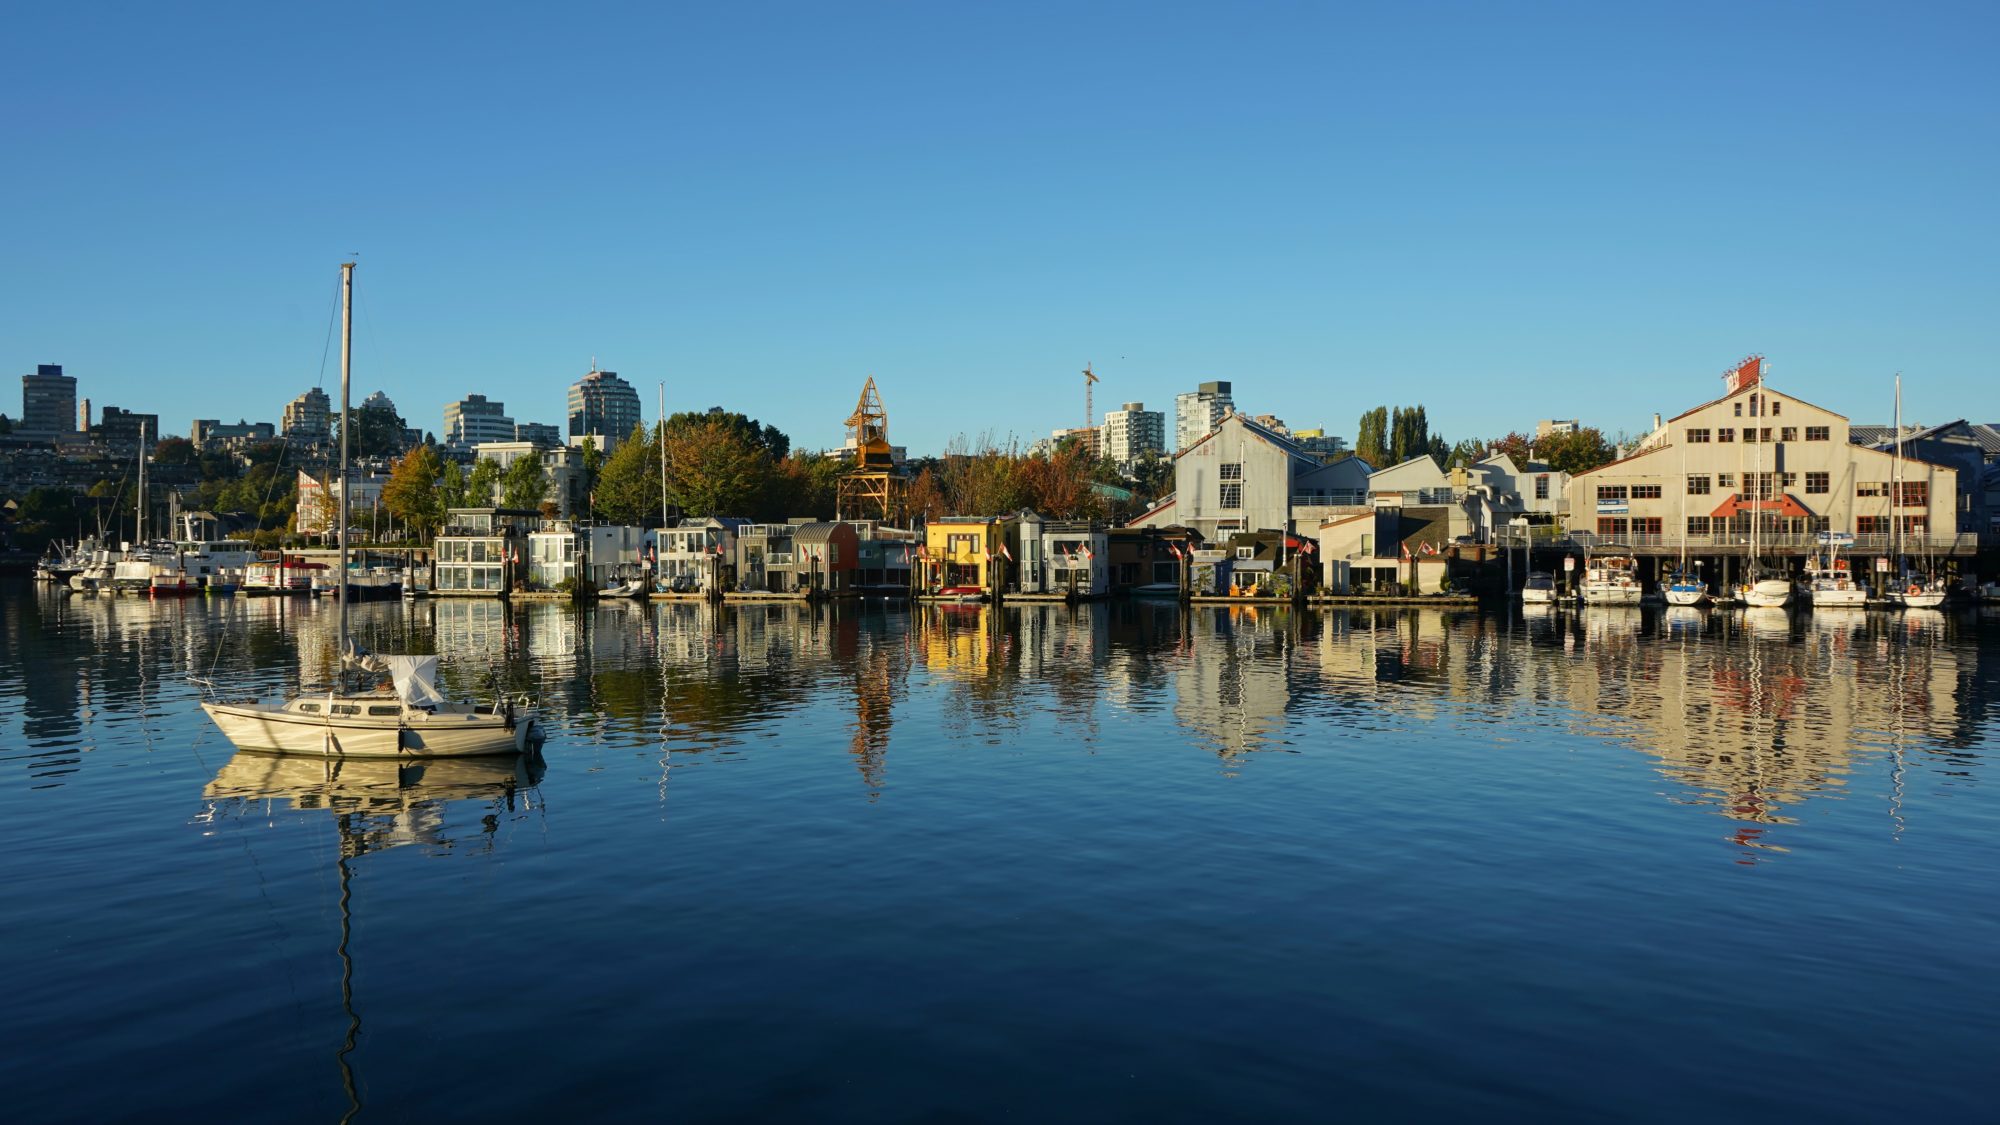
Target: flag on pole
1005, 553
1403, 551
1428, 549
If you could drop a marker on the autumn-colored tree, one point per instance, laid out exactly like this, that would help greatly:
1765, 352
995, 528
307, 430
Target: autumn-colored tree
926, 500
712, 469
803, 484
411, 493
1059, 486
628, 486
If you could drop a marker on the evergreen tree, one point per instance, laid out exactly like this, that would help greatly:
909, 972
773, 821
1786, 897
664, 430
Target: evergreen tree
480, 485
1371, 437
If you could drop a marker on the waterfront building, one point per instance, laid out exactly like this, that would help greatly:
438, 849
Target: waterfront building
1243, 477
1199, 411
1148, 556
319, 500
1699, 477
482, 551
1074, 558
1387, 548
604, 407
884, 555
1972, 449
697, 557
1132, 431
969, 552
764, 558
827, 557
560, 552
308, 419
473, 420
209, 434
48, 403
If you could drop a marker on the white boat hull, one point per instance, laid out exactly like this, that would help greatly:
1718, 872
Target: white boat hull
1853, 597
446, 733
1611, 595
1686, 596
1925, 599
1538, 597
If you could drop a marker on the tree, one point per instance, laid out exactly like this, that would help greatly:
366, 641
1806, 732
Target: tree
1409, 434
1467, 452
378, 432
593, 465
451, 487
713, 468
6, 425
925, 500
411, 494
1371, 437
768, 438
480, 485
525, 484
804, 484
1578, 451
1152, 476
628, 486
1439, 449
174, 451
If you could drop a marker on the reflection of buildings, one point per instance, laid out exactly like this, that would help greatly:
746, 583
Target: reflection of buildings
1232, 690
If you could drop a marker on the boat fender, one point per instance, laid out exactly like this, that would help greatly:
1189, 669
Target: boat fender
508, 711
1914, 590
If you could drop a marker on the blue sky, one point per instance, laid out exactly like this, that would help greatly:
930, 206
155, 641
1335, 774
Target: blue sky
1505, 212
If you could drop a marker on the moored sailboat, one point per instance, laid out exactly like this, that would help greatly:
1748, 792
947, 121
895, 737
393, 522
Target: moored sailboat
412, 721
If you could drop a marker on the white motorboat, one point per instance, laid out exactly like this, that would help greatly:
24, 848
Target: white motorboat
1539, 589
1915, 591
1765, 592
1611, 580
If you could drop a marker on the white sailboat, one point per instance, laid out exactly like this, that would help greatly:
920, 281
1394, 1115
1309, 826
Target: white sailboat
1682, 587
1911, 589
1762, 588
1830, 582
413, 720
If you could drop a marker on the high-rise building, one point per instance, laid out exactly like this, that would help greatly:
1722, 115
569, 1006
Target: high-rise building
1132, 430
604, 407
48, 402
124, 429
473, 419
83, 417
541, 433
308, 418
1199, 411
213, 433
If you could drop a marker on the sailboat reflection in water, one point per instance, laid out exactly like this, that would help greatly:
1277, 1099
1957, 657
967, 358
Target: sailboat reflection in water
376, 805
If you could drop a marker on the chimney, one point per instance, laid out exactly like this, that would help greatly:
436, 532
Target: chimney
1656, 420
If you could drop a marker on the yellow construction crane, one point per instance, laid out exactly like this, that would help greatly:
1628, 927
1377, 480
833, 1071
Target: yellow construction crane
874, 487
1089, 410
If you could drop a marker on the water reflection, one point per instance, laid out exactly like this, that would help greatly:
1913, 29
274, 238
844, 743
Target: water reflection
1750, 715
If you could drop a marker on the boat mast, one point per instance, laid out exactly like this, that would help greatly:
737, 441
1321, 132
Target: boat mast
346, 368
663, 467
139, 528
1896, 482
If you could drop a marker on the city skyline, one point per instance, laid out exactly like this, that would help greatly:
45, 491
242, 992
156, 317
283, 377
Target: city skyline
1589, 213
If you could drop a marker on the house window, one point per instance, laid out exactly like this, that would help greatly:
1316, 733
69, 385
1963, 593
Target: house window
1776, 405
1698, 485
1788, 480
1232, 471
1818, 483
1246, 552
1870, 488
1817, 433
1645, 492
1739, 409
1646, 525
1761, 486
1697, 525
1916, 523
1542, 486
1788, 433
1611, 492
1915, 494
1725, 480
1232, 495
1725, 434
1698, 436
1611, 526
1764, 434
1871, 525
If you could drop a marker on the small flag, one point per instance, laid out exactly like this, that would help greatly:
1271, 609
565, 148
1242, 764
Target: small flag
1005, 553
1403, 551
1087, 552
1429, 550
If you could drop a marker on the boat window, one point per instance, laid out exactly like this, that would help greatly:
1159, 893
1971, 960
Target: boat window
313, 707
379, 709
346, 709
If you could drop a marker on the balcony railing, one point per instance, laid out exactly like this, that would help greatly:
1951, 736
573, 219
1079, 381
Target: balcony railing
1333, 498
1871, 544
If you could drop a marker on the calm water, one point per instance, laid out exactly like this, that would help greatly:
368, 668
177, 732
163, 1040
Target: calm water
1106, 863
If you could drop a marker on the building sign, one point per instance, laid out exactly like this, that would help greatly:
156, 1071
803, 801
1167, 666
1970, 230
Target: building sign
1569, 562
1836, 539
1612, 507
1882, 566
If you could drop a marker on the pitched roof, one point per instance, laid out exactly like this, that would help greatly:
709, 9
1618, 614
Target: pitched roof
1760, 385
1272, 437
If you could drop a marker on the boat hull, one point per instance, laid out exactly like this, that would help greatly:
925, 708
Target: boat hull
1684, 596
1853, 597
1924, 599
1611, 595
269, 727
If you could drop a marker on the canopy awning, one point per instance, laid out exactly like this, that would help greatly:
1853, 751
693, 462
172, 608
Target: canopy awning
1784, 505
